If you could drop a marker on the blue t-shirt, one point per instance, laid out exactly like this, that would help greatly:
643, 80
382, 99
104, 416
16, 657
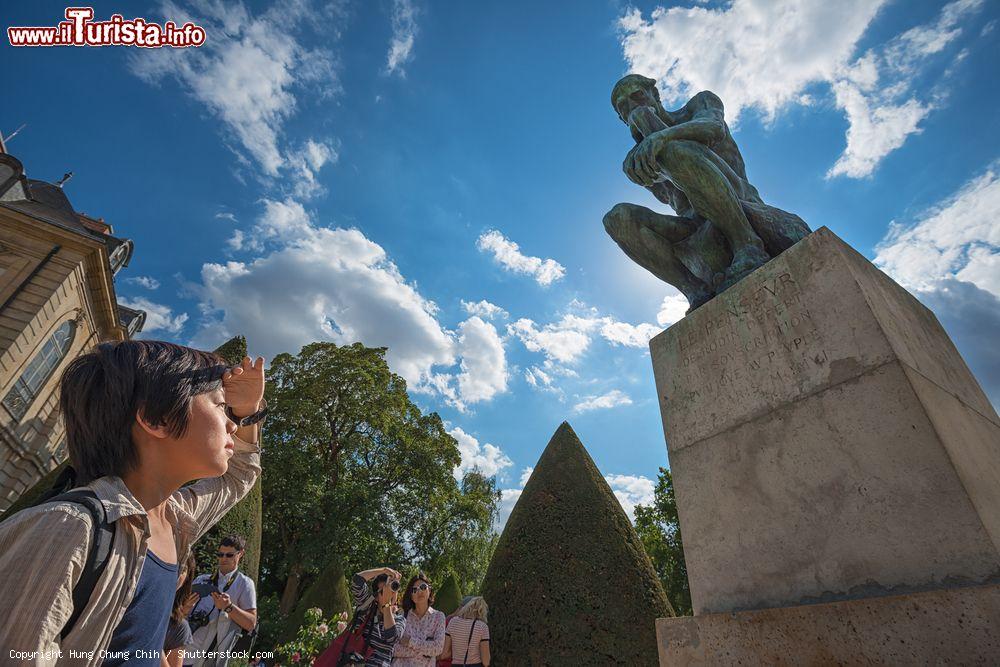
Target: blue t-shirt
138, 639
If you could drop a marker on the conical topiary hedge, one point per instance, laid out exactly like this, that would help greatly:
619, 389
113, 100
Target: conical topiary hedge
570, 583
447, 599
328, 592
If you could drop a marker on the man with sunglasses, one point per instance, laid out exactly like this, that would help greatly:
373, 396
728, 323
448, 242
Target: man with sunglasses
231, 606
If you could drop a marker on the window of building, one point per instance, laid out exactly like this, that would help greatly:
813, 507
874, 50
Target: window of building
39, 370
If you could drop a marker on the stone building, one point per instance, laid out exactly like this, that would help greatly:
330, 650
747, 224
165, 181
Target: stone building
57, 300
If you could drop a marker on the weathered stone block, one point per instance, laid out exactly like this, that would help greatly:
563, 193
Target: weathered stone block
960, 626
826, 439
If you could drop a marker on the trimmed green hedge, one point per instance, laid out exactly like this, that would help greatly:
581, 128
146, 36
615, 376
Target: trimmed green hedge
449, 597
329, 592
570, 583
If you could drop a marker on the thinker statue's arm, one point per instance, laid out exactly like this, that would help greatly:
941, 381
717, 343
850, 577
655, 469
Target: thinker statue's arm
703, 120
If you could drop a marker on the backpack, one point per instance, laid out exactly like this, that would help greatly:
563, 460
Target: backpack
102, 537
351, 647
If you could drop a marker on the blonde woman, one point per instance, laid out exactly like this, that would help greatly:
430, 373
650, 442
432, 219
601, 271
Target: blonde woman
467, 639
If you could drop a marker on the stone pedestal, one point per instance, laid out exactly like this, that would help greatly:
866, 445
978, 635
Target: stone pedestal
827, 443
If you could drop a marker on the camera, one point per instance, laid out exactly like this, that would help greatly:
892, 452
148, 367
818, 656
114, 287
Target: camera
394, 585
198, 619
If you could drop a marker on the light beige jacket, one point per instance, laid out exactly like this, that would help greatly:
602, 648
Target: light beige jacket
43, 549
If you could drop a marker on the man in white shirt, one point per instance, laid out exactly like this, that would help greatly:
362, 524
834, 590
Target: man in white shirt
217, 619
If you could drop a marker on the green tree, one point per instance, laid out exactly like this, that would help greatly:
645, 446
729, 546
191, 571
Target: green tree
328, 592
569, 582
352, 466
448, 598
660, 533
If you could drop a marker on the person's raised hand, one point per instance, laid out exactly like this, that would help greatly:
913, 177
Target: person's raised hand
189, 602
244, 386
221, 600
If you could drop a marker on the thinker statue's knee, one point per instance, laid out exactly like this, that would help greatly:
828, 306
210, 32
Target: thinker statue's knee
618, 219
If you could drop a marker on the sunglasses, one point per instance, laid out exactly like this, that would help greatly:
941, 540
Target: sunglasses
223, 554
421, 587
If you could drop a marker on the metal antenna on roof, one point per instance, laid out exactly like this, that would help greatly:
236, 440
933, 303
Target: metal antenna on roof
4, 140
65, 179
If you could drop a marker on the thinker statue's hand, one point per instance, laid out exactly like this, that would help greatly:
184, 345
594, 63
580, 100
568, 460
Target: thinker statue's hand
641, 164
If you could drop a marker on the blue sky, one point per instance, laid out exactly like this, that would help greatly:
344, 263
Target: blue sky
431, 176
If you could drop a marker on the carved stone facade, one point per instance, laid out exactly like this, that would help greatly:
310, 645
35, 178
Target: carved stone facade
57, 300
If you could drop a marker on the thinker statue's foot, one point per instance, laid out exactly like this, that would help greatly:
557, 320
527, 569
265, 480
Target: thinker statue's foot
697, 300
746, 260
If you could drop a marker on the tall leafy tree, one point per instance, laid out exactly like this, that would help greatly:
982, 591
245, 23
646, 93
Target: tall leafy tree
660, 533
352, 466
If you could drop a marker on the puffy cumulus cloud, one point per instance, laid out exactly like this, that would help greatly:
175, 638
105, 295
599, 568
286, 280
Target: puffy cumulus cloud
612, 399
525, 475
485, 309
767, 55
567, 339
486, 458
957, 238
508, 254
750, 53
484, 364
558, 342
146, 282
632, 490
249, 74
404, 33
950, 258
159, 318
305, 165
315, 283
673, 308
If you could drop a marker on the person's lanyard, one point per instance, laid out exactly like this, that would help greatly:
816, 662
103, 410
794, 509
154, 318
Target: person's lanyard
215, 582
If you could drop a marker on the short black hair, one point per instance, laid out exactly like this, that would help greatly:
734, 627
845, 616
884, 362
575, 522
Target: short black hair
102, 391
237, 542
380, 579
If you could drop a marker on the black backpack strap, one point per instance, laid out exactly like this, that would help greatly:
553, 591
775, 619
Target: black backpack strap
102, 538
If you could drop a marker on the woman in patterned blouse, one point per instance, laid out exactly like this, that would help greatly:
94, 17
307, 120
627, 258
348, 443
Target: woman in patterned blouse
423, 637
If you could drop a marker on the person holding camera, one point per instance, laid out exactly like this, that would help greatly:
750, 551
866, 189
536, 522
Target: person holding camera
387, 622
227, 604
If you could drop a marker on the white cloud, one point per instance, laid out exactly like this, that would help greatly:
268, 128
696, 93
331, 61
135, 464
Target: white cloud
672, 310
536, 377
322, 284
248, 74
525, 474
629, 335
612, 399
950, 258
484, 364
632, 490
404, 32
768, 55
559, 343
159, 318
306, 163
958, 238
225, 216
485, 309
508, 254
486, 458
147, 282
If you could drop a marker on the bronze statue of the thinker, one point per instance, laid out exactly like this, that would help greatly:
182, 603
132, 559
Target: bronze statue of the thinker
687, 158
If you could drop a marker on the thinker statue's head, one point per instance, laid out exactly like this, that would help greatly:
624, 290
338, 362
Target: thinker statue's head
634, 90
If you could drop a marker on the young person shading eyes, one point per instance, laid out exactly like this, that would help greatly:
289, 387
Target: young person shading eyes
423, 636
143, 418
